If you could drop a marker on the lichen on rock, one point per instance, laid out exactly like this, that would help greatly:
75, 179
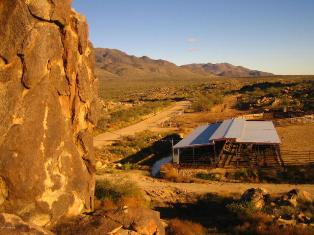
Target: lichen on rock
48, 97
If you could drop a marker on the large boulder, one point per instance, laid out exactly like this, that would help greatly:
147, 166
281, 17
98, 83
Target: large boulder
48, 95
257, 196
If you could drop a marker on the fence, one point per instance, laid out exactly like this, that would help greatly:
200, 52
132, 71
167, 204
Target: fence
289, 157
297, 158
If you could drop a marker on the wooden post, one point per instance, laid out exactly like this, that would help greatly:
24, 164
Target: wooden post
215, 154
172, 149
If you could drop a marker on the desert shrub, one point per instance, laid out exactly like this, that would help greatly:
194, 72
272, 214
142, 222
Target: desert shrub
273, 91
243, 210
169, 172
114, 191
129, 166
244, 174
258, 93
206, 102
184, 227
207, 176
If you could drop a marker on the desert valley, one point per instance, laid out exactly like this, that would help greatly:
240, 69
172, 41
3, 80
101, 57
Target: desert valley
99, 141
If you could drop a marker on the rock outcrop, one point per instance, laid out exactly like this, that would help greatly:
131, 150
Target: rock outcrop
47, 111
121, 221
13, 225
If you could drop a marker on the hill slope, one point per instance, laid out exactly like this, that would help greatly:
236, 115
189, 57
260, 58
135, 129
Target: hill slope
112, 63
224, 69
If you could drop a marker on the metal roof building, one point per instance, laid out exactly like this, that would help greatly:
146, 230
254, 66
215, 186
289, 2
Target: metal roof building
236, 136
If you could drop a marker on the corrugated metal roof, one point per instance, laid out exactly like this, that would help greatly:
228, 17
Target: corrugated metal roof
241, 130
259, 132
200, 136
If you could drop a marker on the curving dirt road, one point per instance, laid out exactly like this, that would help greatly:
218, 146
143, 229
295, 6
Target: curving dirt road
151, 122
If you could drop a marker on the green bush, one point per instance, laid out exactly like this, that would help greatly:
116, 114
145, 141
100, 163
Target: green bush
246, 209
114, 191
207, 176
205, 102
129, 166
247, 175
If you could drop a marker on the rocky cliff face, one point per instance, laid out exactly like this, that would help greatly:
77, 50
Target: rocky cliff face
47, 111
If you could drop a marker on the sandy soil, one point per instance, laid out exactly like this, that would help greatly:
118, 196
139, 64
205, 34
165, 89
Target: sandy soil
297, 137
169, 192
151, 123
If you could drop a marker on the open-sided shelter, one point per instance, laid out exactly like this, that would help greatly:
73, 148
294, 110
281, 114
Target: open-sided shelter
231, 143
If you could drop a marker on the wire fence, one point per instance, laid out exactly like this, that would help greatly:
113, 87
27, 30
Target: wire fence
295, 158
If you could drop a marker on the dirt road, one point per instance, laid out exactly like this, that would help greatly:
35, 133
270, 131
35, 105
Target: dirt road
169, 192
147, 124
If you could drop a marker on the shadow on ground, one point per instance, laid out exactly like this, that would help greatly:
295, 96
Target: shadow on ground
209, 211
157, 150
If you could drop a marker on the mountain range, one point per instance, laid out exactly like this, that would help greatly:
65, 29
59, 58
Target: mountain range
112, 63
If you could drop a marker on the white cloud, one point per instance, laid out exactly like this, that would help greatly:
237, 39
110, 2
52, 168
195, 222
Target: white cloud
192, 40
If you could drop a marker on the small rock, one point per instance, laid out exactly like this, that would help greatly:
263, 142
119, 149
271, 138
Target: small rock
257, 196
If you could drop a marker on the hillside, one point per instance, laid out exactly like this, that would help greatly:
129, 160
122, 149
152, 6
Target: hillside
224, 69
112, 63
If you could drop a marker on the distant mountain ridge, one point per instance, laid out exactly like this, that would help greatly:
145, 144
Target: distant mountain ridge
225, 69
112, 63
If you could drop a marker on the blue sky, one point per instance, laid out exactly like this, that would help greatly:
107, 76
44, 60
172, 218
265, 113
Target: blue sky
270, 35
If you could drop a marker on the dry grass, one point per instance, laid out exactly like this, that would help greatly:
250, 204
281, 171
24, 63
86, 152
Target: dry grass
184, 227
169, 172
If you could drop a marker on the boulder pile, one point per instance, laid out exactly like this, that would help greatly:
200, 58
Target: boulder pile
293, 208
